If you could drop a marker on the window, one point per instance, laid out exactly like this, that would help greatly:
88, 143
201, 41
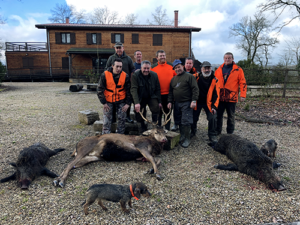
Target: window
65, 62
117, 37
27, 62
65, 38
135, 38
157, 39
93, 39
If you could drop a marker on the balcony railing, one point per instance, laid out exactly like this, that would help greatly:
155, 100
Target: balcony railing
26, 46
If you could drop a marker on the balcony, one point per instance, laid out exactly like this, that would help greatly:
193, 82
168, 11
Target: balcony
26, 46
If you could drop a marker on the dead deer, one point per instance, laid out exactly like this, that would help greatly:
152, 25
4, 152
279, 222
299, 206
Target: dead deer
119, 147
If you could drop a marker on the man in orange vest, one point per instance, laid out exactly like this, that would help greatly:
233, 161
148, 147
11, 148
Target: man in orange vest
114, 90
165, 73
230, 77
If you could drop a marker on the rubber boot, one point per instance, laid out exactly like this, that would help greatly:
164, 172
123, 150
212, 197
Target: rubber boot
182, 137
193, 132
187, 135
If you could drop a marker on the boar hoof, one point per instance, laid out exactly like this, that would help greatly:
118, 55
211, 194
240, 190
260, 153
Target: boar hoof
281, 188
55, 183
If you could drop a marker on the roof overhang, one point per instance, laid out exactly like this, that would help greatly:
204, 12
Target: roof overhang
102, 51
117, 27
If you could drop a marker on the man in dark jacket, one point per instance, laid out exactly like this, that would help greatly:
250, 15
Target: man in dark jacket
184, 90
138, 60
145, 90
114, 91
208, 100
127, 66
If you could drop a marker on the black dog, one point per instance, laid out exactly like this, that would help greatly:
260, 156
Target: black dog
114, 193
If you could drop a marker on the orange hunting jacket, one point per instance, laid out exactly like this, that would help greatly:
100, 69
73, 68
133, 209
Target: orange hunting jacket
229, 92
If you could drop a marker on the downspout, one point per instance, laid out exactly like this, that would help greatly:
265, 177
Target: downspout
48, 40
190, 40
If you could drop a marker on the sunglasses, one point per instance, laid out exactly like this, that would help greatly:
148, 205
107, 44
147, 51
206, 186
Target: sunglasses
118, 47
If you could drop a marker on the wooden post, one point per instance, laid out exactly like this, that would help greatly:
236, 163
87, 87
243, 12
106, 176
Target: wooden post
285, 81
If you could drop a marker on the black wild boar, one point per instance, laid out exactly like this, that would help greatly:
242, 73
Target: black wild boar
248, 159
31, 164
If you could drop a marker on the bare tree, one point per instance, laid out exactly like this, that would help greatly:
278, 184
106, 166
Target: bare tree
286, 58
277, 7
60, 12
104, 16
253, 34
263, 56
160, 17
131, 19
293, 44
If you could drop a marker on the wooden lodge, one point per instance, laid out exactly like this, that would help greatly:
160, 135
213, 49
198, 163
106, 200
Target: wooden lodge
76, 51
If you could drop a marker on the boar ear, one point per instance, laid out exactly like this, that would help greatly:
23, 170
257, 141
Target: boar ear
13, 164
137, 192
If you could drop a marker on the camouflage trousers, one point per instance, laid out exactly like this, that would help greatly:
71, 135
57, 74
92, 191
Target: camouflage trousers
107, 118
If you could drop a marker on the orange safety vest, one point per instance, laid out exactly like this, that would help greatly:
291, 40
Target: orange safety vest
113, 92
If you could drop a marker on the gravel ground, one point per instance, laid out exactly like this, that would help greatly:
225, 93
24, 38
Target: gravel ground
193, 192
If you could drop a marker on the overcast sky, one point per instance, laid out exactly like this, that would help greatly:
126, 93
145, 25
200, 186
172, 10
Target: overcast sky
213, 17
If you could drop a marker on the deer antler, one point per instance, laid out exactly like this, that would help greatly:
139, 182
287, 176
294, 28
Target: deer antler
166, 116
141, 113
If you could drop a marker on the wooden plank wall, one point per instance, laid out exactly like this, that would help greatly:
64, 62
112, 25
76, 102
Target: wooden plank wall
14, 59
175, 44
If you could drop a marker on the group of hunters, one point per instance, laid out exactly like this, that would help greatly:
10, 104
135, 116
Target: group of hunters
164, 86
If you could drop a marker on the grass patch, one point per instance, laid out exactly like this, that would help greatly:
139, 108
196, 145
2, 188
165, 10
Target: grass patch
247, 107
62, 210
287, 178
78, 126
25, 199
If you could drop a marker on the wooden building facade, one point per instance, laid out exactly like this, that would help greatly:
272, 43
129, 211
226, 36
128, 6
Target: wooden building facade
74, 51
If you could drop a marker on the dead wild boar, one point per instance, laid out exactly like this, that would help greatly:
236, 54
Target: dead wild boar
31, 164
249, 159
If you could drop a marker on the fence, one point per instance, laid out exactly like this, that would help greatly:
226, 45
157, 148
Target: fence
82, 74
37, 74
273, 79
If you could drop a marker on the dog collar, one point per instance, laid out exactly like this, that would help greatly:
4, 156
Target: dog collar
132, 192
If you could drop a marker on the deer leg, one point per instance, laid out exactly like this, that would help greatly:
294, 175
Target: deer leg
149, 157
85, 160
61, 179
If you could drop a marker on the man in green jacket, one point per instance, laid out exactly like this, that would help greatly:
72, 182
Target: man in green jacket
127, 67
145, 90
184, 90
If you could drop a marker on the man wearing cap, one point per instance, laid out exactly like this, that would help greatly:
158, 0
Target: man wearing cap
127, 67
114, 92
208, 100
165, 73
188, 67
231, 78
145, 90
184, 90
138, 59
